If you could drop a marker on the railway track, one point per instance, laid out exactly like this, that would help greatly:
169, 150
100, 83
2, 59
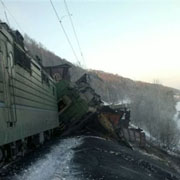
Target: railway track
45, 162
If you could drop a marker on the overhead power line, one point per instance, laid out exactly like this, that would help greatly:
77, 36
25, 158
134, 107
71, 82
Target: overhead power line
5, 7
60, 22
6, 17
75, 34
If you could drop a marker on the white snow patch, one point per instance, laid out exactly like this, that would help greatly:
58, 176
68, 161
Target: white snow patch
133, 125
178, 106
106, 103
124, 101
148, 135
96, 137
55, 165
176, 116
120, 102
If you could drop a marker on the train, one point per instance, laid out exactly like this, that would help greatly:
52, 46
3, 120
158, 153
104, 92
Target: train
28, 99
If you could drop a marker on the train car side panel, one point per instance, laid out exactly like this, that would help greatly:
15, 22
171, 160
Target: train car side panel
28, 103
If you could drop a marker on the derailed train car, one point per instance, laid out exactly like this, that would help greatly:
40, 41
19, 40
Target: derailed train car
28, 102
80, 108
77, 103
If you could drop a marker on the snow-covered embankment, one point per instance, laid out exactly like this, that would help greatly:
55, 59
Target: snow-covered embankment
177, 115
55, 165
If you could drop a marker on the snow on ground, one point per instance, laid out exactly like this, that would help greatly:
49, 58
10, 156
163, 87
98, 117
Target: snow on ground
106, 103
177, 117
124, 101
55, 165
120, 102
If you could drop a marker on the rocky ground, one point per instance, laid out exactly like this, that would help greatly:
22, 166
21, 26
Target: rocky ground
104, 159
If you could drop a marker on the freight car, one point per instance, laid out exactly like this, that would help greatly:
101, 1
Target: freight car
77, 103
28, 102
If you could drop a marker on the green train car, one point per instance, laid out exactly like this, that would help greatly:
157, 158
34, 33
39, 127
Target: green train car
71, 107
77, 103
28, 101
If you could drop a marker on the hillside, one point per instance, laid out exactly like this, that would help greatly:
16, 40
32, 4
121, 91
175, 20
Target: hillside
119, 88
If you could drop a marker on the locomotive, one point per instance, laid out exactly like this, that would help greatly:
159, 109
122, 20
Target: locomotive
28, 100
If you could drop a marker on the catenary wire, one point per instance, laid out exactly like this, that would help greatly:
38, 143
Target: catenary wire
6, 17
10, 13
75, 34
59, 20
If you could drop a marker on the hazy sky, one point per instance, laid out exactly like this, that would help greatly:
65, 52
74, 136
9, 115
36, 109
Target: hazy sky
139, 39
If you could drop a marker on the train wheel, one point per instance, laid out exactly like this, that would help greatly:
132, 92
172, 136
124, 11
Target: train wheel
24, 147
41, 138
13, 151
1, 157
47, 135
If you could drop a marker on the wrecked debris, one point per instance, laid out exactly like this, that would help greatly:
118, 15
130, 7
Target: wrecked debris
80, 106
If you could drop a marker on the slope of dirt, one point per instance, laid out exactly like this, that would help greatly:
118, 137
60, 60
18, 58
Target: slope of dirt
103, 159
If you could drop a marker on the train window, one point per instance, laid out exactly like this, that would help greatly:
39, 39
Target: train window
36, 66
22, 59
45, 78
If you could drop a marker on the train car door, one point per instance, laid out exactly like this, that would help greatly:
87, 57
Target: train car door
7, 72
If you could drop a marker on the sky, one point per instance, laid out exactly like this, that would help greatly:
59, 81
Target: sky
138, 39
